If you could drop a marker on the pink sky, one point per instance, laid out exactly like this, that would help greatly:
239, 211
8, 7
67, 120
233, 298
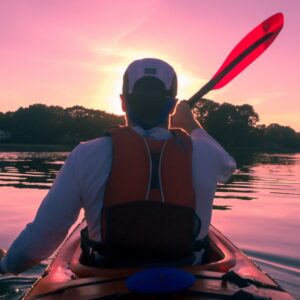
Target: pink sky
74, 52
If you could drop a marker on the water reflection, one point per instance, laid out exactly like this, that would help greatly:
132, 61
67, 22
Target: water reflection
245, 158
259, 173
275, 159
14, 287
35, 170
258, 208
222, 207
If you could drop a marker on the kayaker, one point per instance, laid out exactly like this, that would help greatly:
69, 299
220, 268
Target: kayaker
87, 179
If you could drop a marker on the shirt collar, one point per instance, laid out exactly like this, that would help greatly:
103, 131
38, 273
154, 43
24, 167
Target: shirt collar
158, 133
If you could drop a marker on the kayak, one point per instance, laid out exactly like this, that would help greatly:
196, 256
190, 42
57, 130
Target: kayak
226, 273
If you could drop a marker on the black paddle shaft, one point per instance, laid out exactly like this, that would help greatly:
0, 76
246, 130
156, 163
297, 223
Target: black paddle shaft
214, 81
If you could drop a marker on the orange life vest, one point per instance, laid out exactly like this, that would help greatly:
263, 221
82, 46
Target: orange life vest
148, 212
148, 169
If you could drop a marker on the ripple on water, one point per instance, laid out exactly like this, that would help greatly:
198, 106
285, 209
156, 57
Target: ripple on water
285, 270
267, 185
29, 169
14, 287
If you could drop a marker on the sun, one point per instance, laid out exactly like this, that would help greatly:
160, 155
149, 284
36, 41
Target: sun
107, 96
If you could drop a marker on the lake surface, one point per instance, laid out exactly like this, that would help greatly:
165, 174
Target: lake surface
258, 209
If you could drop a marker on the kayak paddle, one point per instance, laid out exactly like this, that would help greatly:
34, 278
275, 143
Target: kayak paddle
242, 55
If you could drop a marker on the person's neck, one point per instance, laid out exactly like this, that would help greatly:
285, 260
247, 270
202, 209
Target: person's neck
164, 125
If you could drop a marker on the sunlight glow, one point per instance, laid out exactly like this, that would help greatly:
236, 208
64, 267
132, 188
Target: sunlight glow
188, 84
69, 52
110, 83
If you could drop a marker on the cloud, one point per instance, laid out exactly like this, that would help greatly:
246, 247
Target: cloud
127, 32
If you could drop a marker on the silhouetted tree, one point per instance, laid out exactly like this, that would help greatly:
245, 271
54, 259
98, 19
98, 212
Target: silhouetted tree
54, 125
232, 125
277, 136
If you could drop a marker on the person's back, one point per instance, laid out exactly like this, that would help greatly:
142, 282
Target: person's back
87, 180
148, 211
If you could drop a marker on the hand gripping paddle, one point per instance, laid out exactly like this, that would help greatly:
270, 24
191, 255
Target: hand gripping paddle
242, 55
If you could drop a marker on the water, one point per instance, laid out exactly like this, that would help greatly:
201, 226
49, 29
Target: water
258, 209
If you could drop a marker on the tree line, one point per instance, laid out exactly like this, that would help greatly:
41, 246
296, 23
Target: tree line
232, 125
41, 124
237, 126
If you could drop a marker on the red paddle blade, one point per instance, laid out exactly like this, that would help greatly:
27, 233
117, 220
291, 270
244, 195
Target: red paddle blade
248, 49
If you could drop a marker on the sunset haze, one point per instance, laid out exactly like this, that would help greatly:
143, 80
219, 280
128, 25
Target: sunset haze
74, 52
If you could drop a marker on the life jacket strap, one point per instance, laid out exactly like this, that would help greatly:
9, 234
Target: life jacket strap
90, 249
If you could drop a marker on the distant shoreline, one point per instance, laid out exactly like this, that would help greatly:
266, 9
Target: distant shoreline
232, 150
68, 148
35, 148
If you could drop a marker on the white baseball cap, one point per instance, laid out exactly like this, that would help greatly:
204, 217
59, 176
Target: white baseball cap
150, 67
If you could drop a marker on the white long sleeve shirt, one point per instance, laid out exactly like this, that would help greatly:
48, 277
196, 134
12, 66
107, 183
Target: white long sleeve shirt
81, 184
